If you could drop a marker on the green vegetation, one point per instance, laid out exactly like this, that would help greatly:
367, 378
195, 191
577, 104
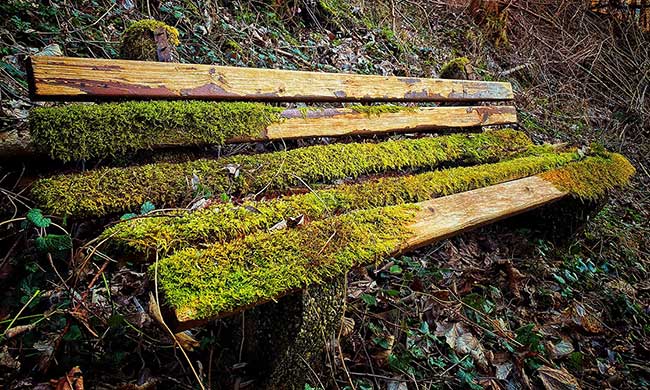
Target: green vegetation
200, 284
114, 190
82, 131
381, 109
455, 69
593, 177
225, 221
138, 42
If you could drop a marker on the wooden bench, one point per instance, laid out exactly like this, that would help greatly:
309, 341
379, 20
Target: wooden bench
221, 268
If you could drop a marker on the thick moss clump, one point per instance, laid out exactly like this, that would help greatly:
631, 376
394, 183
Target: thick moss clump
138, 40
114, 190
82, 131
594, 177
201, 284
455, 69
225, 221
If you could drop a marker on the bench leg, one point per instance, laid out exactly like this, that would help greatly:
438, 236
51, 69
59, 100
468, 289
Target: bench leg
286, 340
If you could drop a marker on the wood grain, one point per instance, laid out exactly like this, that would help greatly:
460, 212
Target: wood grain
450, 215
333, 122
66, 78
447, 216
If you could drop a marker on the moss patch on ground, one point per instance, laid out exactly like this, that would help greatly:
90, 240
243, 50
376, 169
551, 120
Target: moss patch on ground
115, 190
201, 284
83, 132
138, 42
225, 221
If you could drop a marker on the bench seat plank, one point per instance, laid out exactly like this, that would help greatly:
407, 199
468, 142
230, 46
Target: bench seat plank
67, 78
444, 217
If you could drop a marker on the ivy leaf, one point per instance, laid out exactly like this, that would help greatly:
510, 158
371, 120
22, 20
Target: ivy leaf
147, 207
370, 300
53, 243
395, 269
36, 217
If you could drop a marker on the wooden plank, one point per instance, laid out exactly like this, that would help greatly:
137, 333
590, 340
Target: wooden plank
447, 216
67, 78
451, 215
334, 122
330, 122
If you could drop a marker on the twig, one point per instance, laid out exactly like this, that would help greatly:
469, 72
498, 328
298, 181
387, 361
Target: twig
36, 293
162, 320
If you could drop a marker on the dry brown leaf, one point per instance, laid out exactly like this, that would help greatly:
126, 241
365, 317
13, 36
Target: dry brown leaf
17, 330
581, 317
554, 379
468, 344
185, 340
74, 380
382, 356
347, 326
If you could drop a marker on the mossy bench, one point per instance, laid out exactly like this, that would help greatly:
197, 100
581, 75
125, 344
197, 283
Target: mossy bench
242, 230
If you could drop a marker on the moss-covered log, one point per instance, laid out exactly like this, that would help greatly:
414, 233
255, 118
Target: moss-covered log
201, 283
114, 190
222, 222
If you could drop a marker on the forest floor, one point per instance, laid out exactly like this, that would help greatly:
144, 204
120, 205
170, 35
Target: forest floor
513, 305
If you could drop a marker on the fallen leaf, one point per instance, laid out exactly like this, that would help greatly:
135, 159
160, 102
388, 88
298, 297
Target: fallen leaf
50, 50
8, 361
503, 370
468, 344
554, 379
17, 330
72, 381
561, 349
382, 356
279, 226
347, 326
184, 339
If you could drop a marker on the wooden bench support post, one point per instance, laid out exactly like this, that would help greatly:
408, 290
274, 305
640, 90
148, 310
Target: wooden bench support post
285, 341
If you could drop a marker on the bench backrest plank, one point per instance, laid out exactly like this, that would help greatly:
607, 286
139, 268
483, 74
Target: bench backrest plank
335, 122
66, 78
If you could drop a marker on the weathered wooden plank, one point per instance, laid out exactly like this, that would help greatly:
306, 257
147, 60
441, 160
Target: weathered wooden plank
333, 122
451, 215
67, 78
447, 216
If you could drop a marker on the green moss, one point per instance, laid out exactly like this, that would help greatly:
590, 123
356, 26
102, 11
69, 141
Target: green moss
82, 131
594, 177
138, 42
455, 69
114, 190
225, 221
205, 283
381, 109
